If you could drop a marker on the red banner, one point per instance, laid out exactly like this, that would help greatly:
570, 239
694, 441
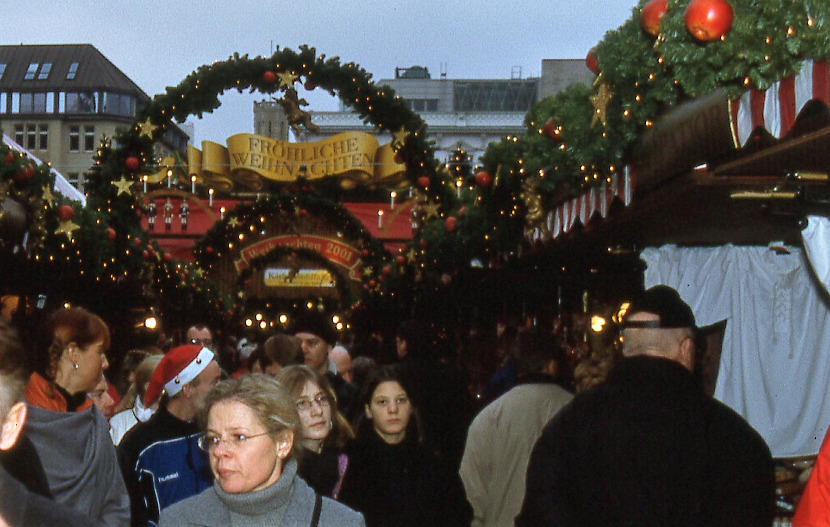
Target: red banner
331, 249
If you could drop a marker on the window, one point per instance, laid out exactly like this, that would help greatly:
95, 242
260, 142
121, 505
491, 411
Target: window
31, 71
73, 71
18, 134
43, 136
2, 69
73, 179
31, 136
44, 71
33, 103
15, 102
118, 104
84, 102
74, 138
3, 106
89, 138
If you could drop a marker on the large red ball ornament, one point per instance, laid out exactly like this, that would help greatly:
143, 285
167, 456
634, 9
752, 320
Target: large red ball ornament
9, 157
137, 242
651, 15
24, 173
449, 224
66, 212
708, 20
400, 260
552, 128
423, 182
484, 179
132, 163
386, 270
110, 233
270, 77
591, 62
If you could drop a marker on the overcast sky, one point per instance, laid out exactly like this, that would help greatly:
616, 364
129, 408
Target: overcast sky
157, 43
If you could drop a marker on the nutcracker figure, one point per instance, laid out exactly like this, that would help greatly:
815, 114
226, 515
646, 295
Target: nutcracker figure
168, 215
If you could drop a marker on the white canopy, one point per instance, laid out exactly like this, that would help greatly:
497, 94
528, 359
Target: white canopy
61, 184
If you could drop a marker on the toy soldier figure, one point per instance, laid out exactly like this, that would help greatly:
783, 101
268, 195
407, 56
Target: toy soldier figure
184, 210
168, 215
151, 214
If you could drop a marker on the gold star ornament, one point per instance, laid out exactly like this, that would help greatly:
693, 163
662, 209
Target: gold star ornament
48, 197
67, 227
123, 186
399, 137
147, 128
287, 79
233, 222
600, 102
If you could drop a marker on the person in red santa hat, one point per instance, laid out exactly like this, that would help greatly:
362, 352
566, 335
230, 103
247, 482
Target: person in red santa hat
160, 459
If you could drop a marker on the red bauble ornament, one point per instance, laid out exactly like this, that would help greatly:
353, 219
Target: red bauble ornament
23, 174
708, 20
423, 243
651, 15
66, 212
423, 181
146, 255
372, 283
484, 179
309, 85
137, 242
168, 257
552, 129
364, 253
209, 250
270, 77
449, 224
591, 62
9, 157
110, 233
386, 270
400, 260
132, 163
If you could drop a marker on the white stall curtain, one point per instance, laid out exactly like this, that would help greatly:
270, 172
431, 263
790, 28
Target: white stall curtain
775, 361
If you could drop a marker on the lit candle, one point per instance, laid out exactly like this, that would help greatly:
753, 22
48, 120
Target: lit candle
222, 213
380, 219
193, 184
210, 197
458, 189
144, 179
392, 200
169, 178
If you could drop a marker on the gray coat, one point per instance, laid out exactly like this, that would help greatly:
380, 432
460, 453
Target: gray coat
207, 510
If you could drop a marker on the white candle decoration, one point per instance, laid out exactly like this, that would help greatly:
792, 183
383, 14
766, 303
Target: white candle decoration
210, 197
380, 219
193, 184
392, 200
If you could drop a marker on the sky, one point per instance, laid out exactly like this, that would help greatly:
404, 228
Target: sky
157, 43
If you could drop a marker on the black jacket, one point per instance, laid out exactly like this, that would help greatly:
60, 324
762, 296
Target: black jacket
649, 448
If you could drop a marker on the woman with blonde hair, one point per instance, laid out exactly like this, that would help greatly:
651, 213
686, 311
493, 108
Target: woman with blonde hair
250, 428
324, 432
132, 409
69, 434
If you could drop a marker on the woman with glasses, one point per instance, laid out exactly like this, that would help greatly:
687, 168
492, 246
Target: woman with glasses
324, 432
393, 478
250, 428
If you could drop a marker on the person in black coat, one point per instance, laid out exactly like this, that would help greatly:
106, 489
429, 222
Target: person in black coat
393, 478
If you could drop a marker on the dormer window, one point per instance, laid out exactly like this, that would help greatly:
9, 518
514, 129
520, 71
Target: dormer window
44, 71
73, 70
31, 71
2, 70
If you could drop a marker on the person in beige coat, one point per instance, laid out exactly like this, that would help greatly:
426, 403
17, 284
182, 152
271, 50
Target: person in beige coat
502, 436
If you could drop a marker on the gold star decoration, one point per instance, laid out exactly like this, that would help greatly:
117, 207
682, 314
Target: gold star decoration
600, 103
411, 255
233, 222
147, 128
367, 271
123, 186
287, 79
67, 227
430, 210
399, 137
48, 197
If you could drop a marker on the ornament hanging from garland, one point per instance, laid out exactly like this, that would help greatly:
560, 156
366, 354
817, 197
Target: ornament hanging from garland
651, 15
708, 20
591, 61
484, 179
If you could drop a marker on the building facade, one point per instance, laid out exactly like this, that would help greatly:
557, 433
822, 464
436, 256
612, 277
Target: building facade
465, 114
59, 101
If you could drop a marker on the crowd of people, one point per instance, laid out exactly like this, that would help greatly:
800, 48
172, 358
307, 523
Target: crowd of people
299, 431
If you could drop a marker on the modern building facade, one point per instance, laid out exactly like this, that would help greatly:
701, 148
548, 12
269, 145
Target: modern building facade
59, 101
459, 113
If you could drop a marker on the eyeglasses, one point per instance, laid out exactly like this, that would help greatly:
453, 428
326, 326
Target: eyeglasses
304, 405
209, 442
205, 343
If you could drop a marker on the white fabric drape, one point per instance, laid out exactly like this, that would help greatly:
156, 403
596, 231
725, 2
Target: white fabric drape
775, 362
816, 237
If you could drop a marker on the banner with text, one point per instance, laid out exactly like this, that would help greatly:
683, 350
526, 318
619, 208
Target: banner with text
331, 249
353, 157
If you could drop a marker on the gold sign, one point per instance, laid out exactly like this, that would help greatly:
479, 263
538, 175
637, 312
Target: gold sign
353, 157
285, 277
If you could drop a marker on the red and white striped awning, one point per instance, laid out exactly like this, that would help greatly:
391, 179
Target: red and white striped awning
776, 108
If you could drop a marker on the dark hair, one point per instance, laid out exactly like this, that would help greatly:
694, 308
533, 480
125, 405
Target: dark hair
534, 348
13, 372
388, 373
284, 350
63, 326
294, 378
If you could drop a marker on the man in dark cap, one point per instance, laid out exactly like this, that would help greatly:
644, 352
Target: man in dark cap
649, 447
